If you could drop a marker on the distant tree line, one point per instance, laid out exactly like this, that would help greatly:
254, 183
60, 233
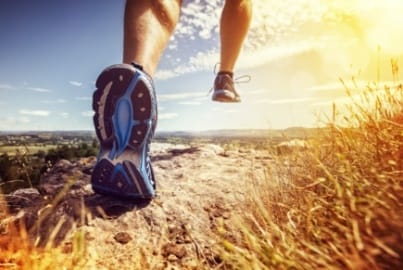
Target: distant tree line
24, 170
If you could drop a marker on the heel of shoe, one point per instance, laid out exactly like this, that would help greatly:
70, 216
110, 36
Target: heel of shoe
122, 180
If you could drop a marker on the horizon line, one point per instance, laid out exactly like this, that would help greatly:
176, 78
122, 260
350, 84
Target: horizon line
165, 131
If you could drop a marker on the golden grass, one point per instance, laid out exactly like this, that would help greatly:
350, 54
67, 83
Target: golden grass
336, 205
19, 251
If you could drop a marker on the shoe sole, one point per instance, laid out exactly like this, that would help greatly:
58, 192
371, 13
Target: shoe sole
223, 95
125, 113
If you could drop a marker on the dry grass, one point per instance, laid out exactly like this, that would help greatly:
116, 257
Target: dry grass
18, 249
17, 252
336, 205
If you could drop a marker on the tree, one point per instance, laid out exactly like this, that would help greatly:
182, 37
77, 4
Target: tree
5, 164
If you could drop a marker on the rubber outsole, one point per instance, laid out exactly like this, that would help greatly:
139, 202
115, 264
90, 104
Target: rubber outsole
223, 95
125, 114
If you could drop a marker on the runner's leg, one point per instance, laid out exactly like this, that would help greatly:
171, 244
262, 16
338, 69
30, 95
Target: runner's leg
148, 26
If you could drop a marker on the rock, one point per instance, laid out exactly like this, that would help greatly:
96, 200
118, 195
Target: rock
65, 174
213, 149
122, 237
291, 146
189, 150
43, 209
173, 249
172, 258
23, 198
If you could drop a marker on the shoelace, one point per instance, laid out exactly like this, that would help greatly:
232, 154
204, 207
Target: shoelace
238, 80
241, 79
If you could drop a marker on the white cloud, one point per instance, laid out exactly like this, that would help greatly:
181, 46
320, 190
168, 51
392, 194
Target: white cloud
326, 87
285, 100
275, 21
225, 109
164, 74
34, 112
257, 91
268, 39
202, 61
87, 113
56, 101
360, 96
64, 114
193, 103
76, 83
10, 122
281, 29
23, 120
205, 61
6, 87
200, 18
230, 111
353, 85
39, 89
178, 96
84, 98
165, 116
268, 54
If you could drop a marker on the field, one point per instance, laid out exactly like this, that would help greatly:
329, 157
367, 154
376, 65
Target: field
29, 149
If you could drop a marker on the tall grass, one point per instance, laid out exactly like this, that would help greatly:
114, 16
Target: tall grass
337, 205
25, 249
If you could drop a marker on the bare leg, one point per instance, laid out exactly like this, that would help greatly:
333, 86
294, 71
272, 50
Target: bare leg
148, 26
235, 20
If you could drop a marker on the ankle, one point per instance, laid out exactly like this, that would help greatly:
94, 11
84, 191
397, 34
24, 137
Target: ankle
137, 65
143, 69
229, 73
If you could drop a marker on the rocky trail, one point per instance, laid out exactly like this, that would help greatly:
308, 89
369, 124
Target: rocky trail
201, 188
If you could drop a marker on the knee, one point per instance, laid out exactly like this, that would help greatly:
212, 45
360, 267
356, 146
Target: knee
167, 12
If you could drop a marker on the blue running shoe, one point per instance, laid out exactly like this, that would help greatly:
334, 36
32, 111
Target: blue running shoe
125, 119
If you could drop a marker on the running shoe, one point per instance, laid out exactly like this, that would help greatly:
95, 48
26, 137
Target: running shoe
125, 119
224, 89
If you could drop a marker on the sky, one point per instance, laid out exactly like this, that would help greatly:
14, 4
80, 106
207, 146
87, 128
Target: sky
296, 52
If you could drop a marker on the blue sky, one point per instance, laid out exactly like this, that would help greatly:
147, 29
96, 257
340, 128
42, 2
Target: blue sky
52, 51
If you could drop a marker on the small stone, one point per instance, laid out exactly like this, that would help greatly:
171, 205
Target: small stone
67, 247
172, 258
187, 240
172, 249
122, 237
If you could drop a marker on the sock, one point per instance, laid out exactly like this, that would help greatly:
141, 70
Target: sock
137, 65
230, 73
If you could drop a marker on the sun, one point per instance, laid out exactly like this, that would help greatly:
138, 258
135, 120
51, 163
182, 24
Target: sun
375, 23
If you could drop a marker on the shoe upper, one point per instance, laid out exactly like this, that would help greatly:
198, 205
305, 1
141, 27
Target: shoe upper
224, 89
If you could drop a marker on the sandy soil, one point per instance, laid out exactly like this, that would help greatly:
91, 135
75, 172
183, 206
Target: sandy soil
200, 189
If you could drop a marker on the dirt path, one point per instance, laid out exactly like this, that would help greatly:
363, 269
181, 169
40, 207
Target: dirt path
200, 190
